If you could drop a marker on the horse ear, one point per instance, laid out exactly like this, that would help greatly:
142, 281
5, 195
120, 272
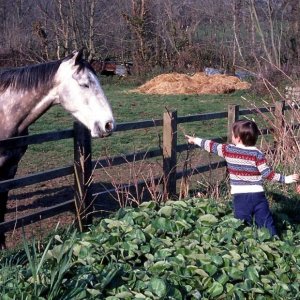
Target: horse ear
78, 56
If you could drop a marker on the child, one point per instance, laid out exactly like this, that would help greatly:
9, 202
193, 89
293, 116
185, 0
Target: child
247, 168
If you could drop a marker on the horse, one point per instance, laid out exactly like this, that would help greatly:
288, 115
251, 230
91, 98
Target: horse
28, 92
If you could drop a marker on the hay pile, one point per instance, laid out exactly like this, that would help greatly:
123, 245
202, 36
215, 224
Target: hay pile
175, 83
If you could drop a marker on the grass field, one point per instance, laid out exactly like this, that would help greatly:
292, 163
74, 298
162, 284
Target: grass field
129, 107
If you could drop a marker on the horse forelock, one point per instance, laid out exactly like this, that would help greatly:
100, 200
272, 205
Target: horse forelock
29, 77
83, 64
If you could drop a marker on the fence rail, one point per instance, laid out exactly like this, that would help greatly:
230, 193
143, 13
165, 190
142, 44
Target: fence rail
82, 141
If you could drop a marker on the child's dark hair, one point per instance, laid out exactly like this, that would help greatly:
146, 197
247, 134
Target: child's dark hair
247, 131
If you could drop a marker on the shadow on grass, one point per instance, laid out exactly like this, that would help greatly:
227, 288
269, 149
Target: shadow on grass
285, 210
44, 198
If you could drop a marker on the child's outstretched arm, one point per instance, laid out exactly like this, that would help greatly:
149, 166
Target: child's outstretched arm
207, 145
270, 175
194, 140
190, 139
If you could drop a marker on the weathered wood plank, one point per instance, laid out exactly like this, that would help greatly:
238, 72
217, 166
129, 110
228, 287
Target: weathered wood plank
258, 110
202, 117
10, 184
139, 124
169, 152
21, 141
82, 174
233, 116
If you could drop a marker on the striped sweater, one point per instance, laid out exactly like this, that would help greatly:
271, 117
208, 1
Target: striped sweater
247, 166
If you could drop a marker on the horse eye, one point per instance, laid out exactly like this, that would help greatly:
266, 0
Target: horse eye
85, 85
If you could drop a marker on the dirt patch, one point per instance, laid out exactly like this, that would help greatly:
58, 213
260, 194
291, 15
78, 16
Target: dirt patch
199, 83
32, 199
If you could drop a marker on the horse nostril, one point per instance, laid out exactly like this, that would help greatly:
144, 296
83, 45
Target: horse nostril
109, 127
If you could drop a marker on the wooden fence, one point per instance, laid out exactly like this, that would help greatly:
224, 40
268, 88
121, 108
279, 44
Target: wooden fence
83, 164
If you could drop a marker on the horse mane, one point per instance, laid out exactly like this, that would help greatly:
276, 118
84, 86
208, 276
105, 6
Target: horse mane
33, 76
29, 77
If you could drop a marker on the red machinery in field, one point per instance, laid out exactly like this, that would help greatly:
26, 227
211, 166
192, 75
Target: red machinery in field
110, 67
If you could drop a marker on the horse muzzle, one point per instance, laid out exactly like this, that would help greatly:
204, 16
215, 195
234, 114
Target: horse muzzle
99, 131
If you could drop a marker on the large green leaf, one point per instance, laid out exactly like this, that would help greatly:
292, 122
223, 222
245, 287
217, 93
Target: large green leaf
210, 269
252, 274
208, 218
217, 260
223, 278
158, 287
163, 253
165, 211
137, 235
234, 273
162, 224
159, 267
124, 295
148, 205
215, 290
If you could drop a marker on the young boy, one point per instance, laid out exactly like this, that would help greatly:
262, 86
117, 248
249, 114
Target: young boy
247, 168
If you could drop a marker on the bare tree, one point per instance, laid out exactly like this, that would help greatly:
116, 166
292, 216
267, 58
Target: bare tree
183, 35
293, 42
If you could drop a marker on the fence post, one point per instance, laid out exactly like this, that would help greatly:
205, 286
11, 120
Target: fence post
279, 116
233, 116
169, 152
82, 174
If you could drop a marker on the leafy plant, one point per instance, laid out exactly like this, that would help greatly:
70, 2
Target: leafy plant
191, 249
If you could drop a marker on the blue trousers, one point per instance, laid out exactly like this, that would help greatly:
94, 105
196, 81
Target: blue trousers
254, 206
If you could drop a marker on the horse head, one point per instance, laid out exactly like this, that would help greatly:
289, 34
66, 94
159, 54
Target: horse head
80, 93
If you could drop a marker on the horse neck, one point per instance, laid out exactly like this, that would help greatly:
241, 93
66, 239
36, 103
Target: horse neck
28, 106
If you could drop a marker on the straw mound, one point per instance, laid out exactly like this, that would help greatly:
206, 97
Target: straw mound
175, 83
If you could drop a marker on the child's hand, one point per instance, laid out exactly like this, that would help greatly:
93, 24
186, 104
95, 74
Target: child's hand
191, 139
292, 178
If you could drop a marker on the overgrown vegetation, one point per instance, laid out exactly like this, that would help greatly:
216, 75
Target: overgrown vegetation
192, 249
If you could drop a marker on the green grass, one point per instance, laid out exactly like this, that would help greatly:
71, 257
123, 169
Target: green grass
129, 107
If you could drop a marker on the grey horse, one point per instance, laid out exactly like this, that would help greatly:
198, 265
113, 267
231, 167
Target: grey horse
28, 92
